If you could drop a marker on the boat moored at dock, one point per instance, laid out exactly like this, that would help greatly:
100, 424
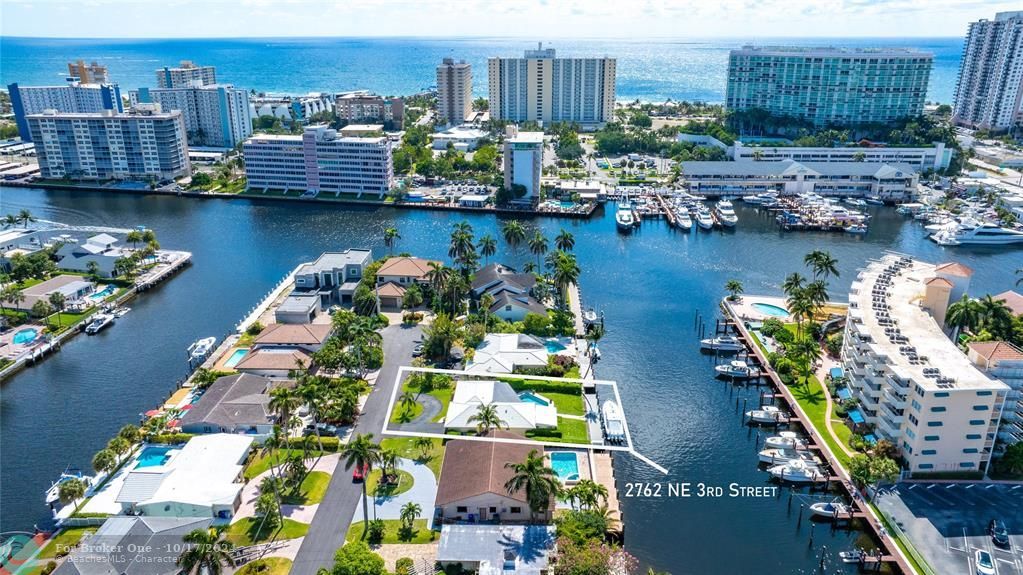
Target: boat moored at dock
737, 369
201, 349
768, 414
53, 493
99, 322
830, 510
624, 217
785, 440
780, 456
797, 472
725, 213
721, 343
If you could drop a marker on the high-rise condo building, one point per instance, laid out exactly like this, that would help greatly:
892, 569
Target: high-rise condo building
217, 115
92, 73
454, 91
142, 143
914, 385
989, 94
319, 161
185, 74
523, 161
72, 97
829, 86
541, 87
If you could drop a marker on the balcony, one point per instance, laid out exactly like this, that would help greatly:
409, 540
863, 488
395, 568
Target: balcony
888, 428
896, 383
893, 400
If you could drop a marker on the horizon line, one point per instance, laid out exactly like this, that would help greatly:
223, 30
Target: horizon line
456, 38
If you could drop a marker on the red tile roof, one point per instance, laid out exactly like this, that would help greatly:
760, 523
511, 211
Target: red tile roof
996, 350
955, 269
1013, 300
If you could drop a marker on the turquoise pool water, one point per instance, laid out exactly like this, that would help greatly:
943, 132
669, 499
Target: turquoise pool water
153, 456
771, 310
236, 357
533, 398
553, 346
27, 335
566, 465
102, 293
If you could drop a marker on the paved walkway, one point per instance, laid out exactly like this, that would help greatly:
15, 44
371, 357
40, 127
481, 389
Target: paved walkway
300, 513
822, 374
417, 552
423, 492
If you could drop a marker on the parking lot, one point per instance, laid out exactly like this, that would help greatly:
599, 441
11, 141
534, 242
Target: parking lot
948, 522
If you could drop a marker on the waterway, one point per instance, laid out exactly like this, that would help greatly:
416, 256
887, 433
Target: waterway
649, 284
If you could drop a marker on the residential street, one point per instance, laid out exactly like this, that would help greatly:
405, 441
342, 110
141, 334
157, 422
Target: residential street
328, 529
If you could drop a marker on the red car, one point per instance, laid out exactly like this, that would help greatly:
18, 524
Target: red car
360, 473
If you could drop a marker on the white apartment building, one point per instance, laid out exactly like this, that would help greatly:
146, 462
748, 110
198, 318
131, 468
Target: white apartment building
142, 143
891, 182
319, 161
541, 87
454, 91
216, 115
185, 74
914, 385
71, 97
935, 158
989, 94
523, 161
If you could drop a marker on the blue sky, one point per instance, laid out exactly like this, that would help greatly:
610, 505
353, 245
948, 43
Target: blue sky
525, 18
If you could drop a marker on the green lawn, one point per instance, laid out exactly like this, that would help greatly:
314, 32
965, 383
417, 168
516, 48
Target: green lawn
312, 490
419, 535
63, 541
261, 463
373, 487
444, 397
405, 414
566, 403
811, 399
244, 532
266, 566
572, 430
434, 458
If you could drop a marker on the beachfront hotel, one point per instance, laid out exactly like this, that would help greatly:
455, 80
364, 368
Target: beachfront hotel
914, 385
891, 182
217, 115
319, 161
541, 87
988, 94
523, 161
72, 97
142, 143
186, 74
454, 91
829, 86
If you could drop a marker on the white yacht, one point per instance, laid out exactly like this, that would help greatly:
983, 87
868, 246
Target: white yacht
830, 510
98, 323
758, 199
53, 493
779, 456
683, 220
767, 414
978, 234
797, 471
624, 217
614, 426
737, 369
200, 349
873, 201
855, 202
785, 440
704, 219
722, 343
726, 213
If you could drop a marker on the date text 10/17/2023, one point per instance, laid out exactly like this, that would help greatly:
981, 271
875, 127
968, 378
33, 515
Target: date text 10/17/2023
702, 490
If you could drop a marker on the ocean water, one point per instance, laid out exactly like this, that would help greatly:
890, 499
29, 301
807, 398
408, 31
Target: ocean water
649, 69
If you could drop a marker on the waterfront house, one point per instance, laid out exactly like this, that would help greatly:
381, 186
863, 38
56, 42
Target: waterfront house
305, 336
519, 549
232, 404
275, 362
101, 248
74, 288
512, 292
333, 276
201, 479
506, 352
132, 546
516, 413
472, 479
1013, 300
298, 308
396, 275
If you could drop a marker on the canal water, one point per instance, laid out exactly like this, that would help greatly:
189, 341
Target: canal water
650, 285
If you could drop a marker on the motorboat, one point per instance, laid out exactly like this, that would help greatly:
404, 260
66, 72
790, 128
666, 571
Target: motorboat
683, 220
624, 217
785, 440
121, 311
726, 213
201, 349
53, 493
872, 201
767, 414
614, 425
760, 199
977, 233
830, 510
99, 322
590, 317
737, 369
722, 343
853, 556
856, 229
797, 471
855, 202
779, 456
704, 219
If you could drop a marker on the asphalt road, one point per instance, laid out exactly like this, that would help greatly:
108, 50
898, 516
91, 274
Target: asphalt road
327, 531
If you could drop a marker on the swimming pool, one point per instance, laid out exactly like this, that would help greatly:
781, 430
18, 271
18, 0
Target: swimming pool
153, 456
236, 357
103, 293
771, 310
553, 346
844, 393
566, 465
856, 416
534, 398
27, 335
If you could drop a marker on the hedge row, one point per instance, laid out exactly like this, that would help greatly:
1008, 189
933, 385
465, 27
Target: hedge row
546, 386
553, 433
330, 443
171, 438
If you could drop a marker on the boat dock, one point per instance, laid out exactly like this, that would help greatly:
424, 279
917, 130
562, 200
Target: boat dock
893, 554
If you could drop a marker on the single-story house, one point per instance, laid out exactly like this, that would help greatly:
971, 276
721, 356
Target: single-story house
274, 362
131, 545
391, 296
1013, 301
506, 352
495, 549
472, 482
516, 413
101, 248
202, 479
298, 308
512, 292
233, 404
74, 288
306, 336
333, 276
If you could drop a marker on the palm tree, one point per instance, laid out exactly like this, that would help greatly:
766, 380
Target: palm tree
539, 482
565, 271
564, 241
488, 247
11, 220
487, 418
363, 454
391, 236
208, 553
439, 277
486, 302
801, 308
461, 241
25, 217
734, 288
104, 460
963, 314
71, 490
119, 446
793, 283
283, 403
822, 264
994, 313
538, 245
817, 293
409, 513
513, 232
423, 444
93, 269
807, 353
408, 400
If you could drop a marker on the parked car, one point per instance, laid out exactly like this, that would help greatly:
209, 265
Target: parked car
321, 429
999, 534
985, 564
360, 473
418, 350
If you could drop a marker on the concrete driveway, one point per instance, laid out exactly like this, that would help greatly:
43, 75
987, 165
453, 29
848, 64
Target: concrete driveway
423, 492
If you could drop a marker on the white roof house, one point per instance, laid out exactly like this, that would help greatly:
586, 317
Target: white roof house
199, 480
503, 352
516, 413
